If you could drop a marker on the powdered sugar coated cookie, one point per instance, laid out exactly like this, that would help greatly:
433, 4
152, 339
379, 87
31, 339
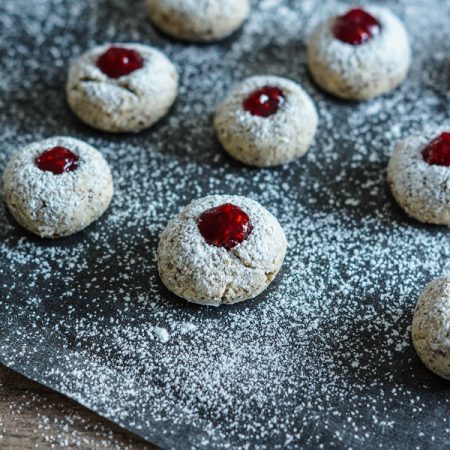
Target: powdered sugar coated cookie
198, 20
421, 188
266, 121
431, 326
58, 186
375, 66
121, 87
223, 262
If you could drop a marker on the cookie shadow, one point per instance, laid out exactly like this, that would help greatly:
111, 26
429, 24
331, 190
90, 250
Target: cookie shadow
199, 312
360, 192
379, 352
270, 60
436, 73
13, 233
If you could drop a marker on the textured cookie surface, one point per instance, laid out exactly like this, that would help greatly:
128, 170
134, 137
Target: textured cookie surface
358, 72
431, 326
52, 205
266, 141
206, 274
129, 103
421, 189
198, 20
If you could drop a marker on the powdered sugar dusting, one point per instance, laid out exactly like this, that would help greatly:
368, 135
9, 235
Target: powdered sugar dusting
266, 141
422, 189
57, 205
323, 358
129, 103
211, 275
360, 71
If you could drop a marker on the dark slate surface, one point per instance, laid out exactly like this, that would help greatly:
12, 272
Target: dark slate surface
323, 357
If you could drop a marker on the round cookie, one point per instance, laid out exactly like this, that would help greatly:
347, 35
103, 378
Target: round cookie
266, 121
431, 326
198, 20
359, 55
419, 176
121, 87
57, 187
221, 249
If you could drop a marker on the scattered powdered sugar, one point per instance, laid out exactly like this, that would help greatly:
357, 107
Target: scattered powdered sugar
323, 358
35, 417
187, 328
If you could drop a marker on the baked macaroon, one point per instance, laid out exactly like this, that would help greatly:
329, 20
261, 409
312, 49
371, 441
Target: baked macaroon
360, 54
419, 176
221, 249
431, 326
266, 121
57, 187
198, 20
121, 87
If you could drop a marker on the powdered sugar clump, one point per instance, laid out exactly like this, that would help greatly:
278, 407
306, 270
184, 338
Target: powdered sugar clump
322, 359
162, 333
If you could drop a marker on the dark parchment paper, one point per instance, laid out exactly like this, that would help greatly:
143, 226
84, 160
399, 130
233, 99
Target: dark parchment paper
323, 358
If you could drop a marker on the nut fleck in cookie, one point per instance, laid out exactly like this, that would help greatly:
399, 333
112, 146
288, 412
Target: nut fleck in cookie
221, 249
57, 187
121, 87
198, 20
266, 121
360, 54
431, 326
419, 176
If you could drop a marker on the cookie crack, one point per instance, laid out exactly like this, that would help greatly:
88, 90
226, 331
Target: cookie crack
125, 86
128, 88
88, 80
242, 261
225, 291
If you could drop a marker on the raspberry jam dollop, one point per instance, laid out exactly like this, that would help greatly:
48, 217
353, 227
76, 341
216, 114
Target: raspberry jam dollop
356, 27
225, 226
264, 102
117, 62
57, 160
437, 152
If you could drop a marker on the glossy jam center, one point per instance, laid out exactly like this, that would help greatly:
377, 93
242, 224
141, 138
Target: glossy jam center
225, 226
57, 160
264, 102
438, 151
117, 62
356, 27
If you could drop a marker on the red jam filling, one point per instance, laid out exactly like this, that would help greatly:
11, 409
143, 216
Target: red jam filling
437, 152
57, 160
356, 27
264, 102
225, 226
117, 62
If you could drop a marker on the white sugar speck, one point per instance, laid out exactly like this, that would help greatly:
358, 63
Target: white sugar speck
162, 334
